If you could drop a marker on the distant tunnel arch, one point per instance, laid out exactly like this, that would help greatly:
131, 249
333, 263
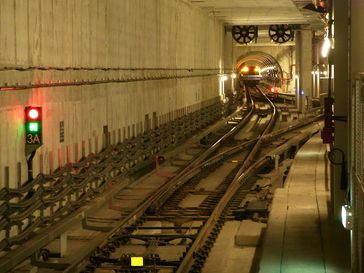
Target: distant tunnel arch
270, 68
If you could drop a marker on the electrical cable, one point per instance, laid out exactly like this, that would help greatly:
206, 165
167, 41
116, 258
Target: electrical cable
344, 185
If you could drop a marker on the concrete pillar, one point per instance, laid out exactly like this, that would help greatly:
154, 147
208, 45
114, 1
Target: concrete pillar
298, 69
341, 84
304, 68
228, 64
317, 76
314, 84
228, 45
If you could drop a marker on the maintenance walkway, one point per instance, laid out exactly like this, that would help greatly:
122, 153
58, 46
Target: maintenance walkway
301, 237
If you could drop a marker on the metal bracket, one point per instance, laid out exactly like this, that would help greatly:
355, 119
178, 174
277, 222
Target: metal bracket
30, 165
35, 261
340, 118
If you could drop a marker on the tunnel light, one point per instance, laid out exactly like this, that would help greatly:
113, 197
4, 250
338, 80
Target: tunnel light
223, 78
256, 69
302, 92
267, 68
347, 216
233, 75
325, 47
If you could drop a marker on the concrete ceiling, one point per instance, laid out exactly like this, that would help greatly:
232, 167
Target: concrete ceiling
260, 12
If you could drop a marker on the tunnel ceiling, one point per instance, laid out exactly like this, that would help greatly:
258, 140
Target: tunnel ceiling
257, 58
260, 12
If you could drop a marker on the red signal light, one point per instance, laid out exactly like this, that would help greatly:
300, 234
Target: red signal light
33, 113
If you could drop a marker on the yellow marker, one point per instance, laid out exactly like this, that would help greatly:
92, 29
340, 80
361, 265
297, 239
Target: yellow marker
234, 161
137, 261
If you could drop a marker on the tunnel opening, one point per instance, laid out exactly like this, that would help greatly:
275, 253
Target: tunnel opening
270, 69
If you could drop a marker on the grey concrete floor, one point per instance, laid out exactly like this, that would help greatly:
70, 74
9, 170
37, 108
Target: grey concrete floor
301, 238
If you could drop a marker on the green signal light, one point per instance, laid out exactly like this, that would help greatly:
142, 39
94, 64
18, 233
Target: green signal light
33, 126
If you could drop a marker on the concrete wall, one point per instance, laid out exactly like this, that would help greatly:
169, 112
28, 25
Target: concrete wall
230, 61
78, 41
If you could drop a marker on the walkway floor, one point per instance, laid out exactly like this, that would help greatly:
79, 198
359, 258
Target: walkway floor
300, 237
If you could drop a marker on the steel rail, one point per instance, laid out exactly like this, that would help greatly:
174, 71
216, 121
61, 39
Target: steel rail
198, 168
193, 168
169, 188
156, 200
53, 188
46, 234
216, 215
257, 146
245, 169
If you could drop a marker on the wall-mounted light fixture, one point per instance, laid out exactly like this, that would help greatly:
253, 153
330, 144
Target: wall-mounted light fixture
223, 78
325, 47
347, 216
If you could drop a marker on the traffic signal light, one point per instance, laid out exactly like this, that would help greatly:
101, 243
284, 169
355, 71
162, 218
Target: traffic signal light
33, 127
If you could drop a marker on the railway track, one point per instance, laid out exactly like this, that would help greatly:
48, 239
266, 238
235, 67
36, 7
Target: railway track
45, 208
153, 221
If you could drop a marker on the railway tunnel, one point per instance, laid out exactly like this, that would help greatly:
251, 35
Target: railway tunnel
129, 142
270, 68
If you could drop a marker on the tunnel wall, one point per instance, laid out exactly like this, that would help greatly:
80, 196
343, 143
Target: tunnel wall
81, 42
356, 124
